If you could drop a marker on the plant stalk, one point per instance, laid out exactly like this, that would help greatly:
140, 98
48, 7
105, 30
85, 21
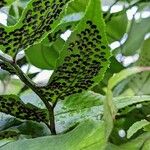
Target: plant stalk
27, 81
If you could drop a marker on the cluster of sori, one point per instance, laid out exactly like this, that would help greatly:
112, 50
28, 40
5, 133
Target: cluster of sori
8, 134
36, 21
15, 107
87, 54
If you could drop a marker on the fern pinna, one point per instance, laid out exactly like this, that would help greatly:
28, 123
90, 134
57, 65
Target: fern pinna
82, 61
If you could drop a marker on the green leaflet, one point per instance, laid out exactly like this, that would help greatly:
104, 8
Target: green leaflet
48, 50
136, 126
8, 134
38, 19
140, 82
84, 59
12, 105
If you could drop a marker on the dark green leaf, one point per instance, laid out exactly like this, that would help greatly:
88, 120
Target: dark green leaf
140, 83
12, 105
31, 28
138, 29
84, 58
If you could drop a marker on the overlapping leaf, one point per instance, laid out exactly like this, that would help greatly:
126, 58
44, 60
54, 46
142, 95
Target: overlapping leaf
77, 139
12, 105
140, 82
38, 19
48, 50
84, 59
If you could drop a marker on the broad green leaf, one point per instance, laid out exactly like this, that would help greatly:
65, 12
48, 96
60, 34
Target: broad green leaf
80, 7
144, 54
38, 19
47, 55
110, 109
12, 105
48, 50
85, 105
77, 108
140, 83
133, 44
122, 102
84, 58
126, 73
136, 126
76, 139
82, 101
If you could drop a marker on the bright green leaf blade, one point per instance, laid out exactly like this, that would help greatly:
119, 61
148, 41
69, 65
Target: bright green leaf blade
77, 108
47, 56
122, 102
48, 50
136, 126
140, 83
124, 74
12, 105
38, 19
84, 58
82, 101
77, 139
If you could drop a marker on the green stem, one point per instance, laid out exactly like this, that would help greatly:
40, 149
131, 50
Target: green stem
27, 81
